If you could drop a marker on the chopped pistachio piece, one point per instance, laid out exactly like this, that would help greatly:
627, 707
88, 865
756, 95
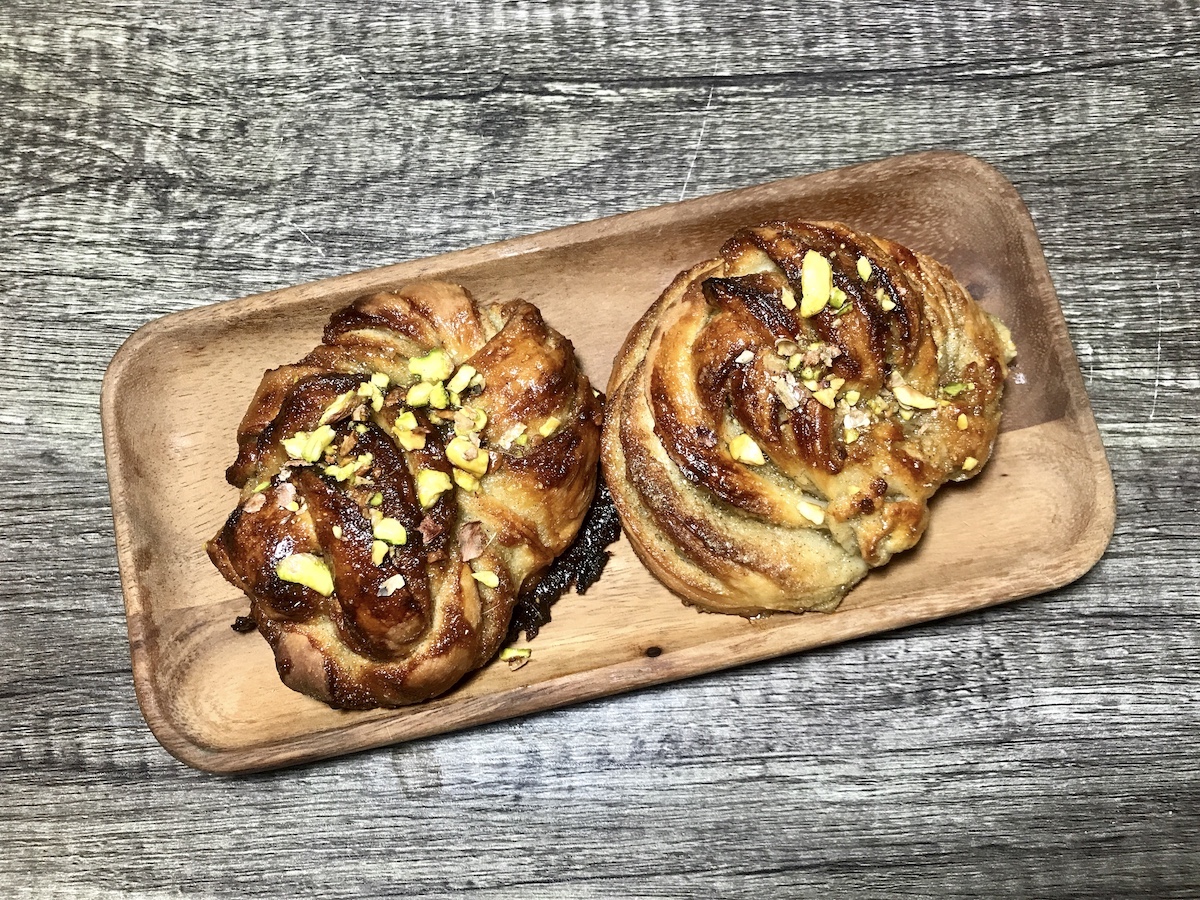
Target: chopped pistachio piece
431, 484
906, 414
461, 380
486, 578
785, 390
746, 356
261, 486
463, 454
379, 550
549, 426
511, 654
369, 390
836, 383
307, 569
435, 365
852, 397
337, 531
339, 407
469, 420
864, 268
521, 440
963, 422
406, 420
410, 440
390, 530
376, 499
381, 380
418, 394
827, 397
887, 304
811, 511
953, 390
912, 398
851, 435
787, 297
391, 585
293, 507
344, 471
837, 298
309, 445
477, 381
795, 361
744, 449
969, 463
816, 283
439, 398
512, 436
466, 481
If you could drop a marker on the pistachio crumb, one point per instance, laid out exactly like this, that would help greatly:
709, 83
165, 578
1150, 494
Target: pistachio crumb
391, 585
969, 463
434, 366
816, 283
827, 397
309, 446
911, 397
390, 530
515, 656
486, 578
418, 394
744, 449
379, 550
307, 569
811, 511
431, 484
962, 422
466, 481
465, 455
462, 379
864, 268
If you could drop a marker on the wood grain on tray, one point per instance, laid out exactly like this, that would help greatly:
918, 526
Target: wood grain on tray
1038, 517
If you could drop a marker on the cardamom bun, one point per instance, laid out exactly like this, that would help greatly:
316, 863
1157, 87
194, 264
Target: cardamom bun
779, 419
401, 485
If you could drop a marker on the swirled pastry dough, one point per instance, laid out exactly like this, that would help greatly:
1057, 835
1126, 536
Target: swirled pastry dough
779, 419
401, 485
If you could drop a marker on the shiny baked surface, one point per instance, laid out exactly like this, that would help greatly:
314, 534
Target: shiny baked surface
782, 415
400, 485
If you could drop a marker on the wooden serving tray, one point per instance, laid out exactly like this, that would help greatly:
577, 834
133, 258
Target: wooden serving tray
1038, 517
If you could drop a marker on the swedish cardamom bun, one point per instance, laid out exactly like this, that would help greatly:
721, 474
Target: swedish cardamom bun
779, 419
401, 485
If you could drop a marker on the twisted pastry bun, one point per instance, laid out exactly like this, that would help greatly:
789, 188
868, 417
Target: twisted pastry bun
779, 419
401, 485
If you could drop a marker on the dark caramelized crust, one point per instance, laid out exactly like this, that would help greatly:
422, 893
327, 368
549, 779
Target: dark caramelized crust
379, 570
764, 451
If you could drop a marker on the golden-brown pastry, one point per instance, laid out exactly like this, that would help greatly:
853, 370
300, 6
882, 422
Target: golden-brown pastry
779, 419
400, 486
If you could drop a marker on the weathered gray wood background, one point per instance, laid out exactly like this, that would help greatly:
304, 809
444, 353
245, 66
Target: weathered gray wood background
158, 156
